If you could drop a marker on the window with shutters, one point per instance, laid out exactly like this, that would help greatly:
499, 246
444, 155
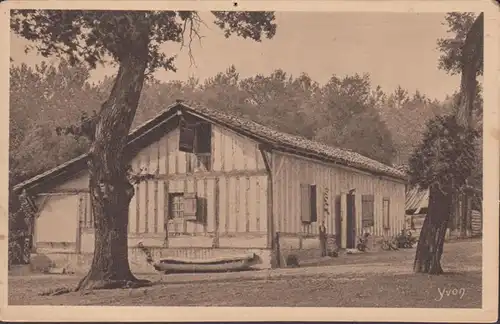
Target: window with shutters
186, 206
308, 199
367, 210
196, 140
386, 213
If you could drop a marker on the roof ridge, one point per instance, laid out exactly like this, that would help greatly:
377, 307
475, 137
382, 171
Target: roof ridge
195, 106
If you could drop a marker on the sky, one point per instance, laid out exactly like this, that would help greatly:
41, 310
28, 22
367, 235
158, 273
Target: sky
393, 48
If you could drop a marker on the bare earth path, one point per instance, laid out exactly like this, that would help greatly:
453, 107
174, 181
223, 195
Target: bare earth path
370, 280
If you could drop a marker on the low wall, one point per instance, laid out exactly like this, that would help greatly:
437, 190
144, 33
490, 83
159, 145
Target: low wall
80, 263
199, 241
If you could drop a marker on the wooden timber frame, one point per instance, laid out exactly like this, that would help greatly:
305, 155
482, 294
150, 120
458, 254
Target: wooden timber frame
267, 157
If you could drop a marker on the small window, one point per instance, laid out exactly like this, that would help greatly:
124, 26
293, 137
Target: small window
176, 204
367, 210
196, 140
186, 206
309, 213
203, 147
386, 213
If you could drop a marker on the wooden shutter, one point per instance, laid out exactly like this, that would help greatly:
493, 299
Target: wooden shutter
305, 203
308, 196
204, 138
386, 212
314, 209
190, 206
343, 220
367, 210
201, 212
186, 138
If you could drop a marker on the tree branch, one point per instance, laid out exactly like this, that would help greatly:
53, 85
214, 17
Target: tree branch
194, 21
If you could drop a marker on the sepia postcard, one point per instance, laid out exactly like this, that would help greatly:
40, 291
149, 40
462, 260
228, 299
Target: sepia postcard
250, 160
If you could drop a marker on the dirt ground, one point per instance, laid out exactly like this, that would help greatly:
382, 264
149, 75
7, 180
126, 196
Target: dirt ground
369, 280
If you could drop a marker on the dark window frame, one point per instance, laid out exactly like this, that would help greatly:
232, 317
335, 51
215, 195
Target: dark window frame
200, 158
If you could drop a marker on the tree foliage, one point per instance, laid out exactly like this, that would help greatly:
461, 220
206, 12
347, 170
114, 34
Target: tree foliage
42, 99
107, 36
451, 59
446, 156
351, 120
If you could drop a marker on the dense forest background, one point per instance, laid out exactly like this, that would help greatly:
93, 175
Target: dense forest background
348, 112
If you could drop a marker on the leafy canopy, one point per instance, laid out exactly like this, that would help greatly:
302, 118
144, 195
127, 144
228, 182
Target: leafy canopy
59, 93
446, 157
94, 36
452, 54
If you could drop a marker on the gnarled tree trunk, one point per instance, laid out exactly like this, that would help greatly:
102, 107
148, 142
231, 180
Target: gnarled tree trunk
431, 241
110, 189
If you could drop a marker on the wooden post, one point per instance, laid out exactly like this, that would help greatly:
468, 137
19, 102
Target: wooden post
215, 242
166, 208
270, 220
268, 160
277, 249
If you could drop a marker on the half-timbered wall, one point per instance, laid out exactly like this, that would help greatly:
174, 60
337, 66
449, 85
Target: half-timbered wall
233, 195
234, 189
290, 171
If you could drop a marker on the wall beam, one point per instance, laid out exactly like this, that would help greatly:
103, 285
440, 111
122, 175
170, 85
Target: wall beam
267, 157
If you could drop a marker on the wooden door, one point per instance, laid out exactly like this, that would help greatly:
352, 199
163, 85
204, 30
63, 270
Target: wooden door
338, 221
351, 221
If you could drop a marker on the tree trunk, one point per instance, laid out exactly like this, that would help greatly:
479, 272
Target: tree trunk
472, 60
110, 189
463, 215
431, 241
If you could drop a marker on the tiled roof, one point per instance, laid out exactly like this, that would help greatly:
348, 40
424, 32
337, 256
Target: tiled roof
300, 144
341, 156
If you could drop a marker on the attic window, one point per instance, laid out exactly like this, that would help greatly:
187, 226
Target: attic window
195, 138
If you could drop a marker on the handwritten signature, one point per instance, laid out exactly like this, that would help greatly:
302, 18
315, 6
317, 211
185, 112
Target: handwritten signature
447, 292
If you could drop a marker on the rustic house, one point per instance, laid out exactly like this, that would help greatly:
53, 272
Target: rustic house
222, 185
